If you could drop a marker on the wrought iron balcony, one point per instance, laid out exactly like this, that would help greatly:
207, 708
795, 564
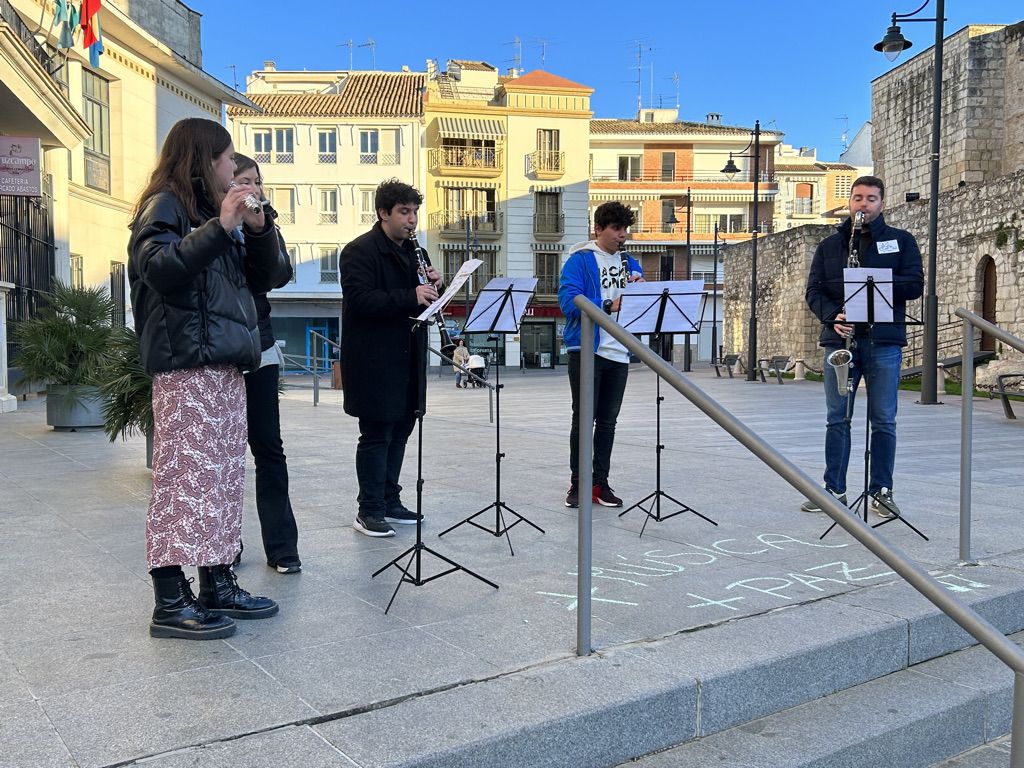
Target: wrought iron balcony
549, 224
661, 176
547, 285
547, 163
487, 224
467, 161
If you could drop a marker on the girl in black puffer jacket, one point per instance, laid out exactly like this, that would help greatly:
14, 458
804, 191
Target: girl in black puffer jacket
192, 285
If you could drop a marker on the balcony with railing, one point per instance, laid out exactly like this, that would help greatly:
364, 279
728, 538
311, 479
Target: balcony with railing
485, 225
267, 158
478, 162
327, 158
328, 217
546, 164
547, 285
800, 207
547, 225
736, 228
48, 63
660, 177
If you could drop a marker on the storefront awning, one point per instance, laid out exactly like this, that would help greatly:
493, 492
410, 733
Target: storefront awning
471, 128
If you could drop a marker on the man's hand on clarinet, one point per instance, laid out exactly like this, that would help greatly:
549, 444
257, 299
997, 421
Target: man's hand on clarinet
844, 330
426, 294
433, 275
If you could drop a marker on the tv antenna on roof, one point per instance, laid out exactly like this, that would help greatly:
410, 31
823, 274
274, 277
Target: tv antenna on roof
675, 82
372, 45
844, 136
234, 74
347, 44
543, 44
517, 53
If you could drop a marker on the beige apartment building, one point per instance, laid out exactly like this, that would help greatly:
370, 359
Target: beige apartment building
506, 182
324, 141
811, 191
669, 171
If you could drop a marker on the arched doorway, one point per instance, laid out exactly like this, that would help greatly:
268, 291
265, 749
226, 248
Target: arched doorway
988, 300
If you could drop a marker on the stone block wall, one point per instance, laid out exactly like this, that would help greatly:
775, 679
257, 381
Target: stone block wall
170, 21
976, 222
977, 62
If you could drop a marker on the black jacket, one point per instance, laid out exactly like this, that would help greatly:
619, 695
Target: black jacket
824, 293
263, 303
191, 288
383, 360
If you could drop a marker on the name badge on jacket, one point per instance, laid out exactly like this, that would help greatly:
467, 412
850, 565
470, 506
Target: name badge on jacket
888, 246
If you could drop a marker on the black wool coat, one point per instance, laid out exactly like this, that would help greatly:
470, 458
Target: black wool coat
383, 358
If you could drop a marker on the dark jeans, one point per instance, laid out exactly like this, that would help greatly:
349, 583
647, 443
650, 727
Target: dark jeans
379, 457
609, 386
277, 522
880, 365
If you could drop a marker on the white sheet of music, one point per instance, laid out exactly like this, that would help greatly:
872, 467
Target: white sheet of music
855, 289
467, 269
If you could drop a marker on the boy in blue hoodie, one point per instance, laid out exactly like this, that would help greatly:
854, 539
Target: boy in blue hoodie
599, 270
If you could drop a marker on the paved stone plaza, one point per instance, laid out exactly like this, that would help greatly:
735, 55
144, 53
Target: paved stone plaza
333, 681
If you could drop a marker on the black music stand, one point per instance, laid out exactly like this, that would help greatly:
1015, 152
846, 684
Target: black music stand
862, 286
658, 308
412, 570
498, 311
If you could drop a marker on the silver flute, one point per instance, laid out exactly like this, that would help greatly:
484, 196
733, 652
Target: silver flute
251, 201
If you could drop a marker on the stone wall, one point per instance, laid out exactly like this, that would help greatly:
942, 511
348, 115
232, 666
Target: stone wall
170, 21
976, 222
979, 63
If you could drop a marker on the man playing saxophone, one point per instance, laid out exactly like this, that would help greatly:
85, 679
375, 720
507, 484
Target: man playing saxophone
876, 357
385, 280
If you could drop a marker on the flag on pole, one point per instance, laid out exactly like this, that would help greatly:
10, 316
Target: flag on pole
60, 13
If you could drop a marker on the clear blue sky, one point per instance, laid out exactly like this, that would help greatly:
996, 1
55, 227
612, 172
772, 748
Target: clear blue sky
797, 65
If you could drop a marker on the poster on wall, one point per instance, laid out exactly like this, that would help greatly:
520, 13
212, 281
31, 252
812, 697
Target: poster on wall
20, 172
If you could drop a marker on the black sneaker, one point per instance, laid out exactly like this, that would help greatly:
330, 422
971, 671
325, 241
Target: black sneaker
401, 515
603, 495
572, 498
290, 564
882, 504
372, 526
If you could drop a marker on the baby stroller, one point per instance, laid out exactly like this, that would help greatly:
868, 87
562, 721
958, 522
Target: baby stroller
477, 365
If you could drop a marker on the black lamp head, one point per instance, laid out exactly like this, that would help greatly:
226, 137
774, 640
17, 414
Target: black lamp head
893, 44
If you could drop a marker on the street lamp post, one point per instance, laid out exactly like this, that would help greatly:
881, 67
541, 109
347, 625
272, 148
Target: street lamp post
666, 274
714, 305
470, 245
731, 170
892, 45
689, 273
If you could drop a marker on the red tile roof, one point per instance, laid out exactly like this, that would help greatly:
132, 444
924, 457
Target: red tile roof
363, 94
538, 78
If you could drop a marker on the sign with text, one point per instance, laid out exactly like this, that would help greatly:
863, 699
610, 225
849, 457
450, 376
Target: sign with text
20, 172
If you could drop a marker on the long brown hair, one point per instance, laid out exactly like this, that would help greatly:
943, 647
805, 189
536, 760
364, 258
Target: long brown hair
188, 152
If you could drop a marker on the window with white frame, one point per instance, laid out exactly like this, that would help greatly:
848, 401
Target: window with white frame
328, 206
369, 147
273, 145
629, 167
328, 264
367, 213
77, 271
96, 111
283, 200
547, 217
327, 145
546, 268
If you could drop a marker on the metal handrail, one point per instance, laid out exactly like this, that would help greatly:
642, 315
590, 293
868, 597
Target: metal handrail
972, 321
972, 623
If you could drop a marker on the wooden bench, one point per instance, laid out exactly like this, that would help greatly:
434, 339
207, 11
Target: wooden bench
776, 365
1001, 389
728, 362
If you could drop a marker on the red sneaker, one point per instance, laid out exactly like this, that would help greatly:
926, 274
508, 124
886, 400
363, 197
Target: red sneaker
603, 495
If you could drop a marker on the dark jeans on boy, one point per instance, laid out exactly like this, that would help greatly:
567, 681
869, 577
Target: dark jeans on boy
609, 387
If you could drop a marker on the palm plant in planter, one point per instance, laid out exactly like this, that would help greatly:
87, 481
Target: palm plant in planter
129, 392
68, 346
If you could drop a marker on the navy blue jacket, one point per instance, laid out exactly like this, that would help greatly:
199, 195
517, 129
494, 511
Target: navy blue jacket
824, 293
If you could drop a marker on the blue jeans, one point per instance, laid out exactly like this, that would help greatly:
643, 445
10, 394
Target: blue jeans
880, 364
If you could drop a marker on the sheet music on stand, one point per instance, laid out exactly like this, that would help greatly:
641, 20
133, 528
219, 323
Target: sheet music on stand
501, 305
855, 292
676, 303
468, 268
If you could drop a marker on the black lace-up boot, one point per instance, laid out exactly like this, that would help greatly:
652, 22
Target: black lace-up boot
219, 593
177, 614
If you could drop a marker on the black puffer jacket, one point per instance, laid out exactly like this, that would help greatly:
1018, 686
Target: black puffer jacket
825, 285
192, 288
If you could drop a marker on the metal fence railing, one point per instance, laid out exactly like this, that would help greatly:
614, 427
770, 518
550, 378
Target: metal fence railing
973, 623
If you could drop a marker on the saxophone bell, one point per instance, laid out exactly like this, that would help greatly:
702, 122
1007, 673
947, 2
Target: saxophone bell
840, 360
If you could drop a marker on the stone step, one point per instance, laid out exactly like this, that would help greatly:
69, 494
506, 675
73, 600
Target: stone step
859, 674
909, 719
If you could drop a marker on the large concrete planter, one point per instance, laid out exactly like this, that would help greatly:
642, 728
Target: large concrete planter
73, 407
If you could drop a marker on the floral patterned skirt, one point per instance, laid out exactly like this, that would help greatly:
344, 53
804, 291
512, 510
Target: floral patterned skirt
199, 441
